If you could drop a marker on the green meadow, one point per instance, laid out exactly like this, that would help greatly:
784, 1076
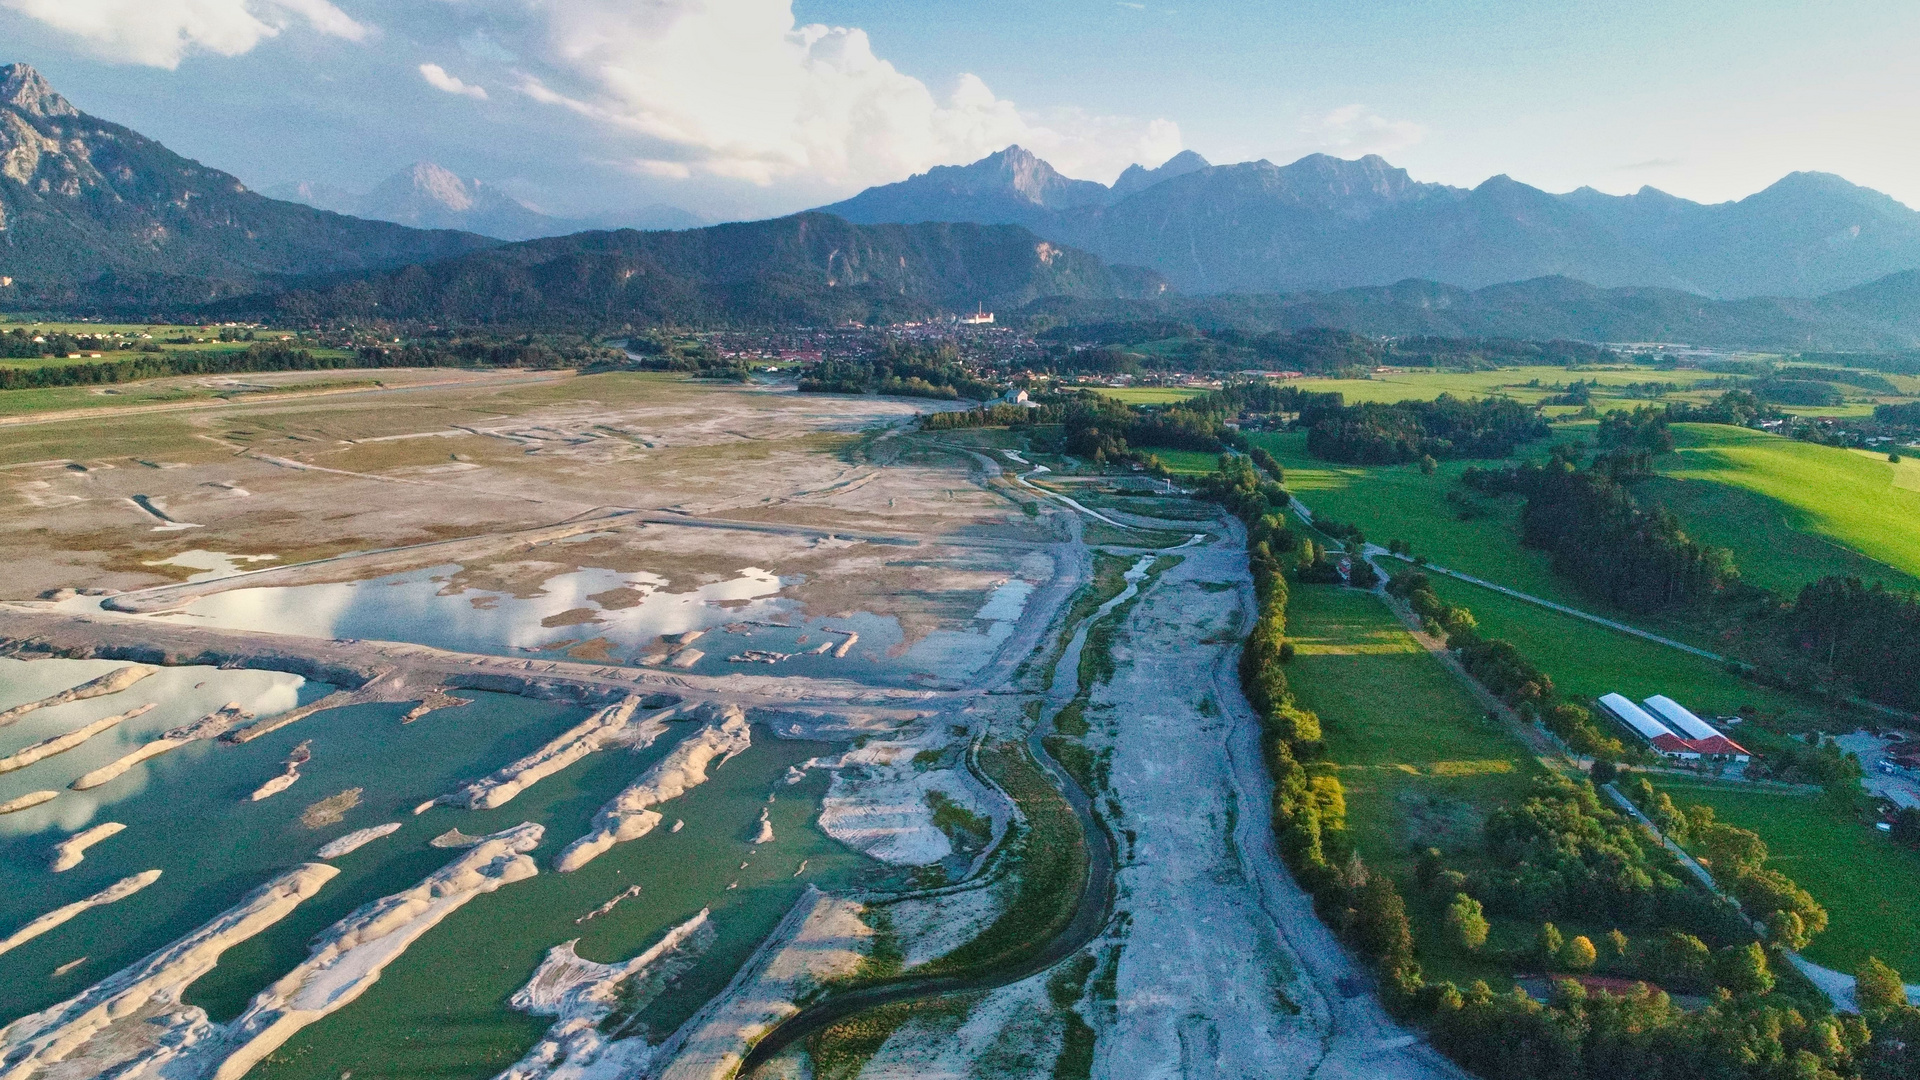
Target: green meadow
1419, 759
1469, 532
1797, 510
1865, 881
1586, 660
1149, 395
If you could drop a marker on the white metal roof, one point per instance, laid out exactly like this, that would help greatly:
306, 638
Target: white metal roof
1679, 717
1635, 717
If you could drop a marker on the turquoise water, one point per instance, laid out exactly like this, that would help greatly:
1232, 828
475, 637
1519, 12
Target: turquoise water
439, 1011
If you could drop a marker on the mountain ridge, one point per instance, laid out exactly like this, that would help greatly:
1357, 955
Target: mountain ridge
1323, 223
809, 268
429, 195
82, 198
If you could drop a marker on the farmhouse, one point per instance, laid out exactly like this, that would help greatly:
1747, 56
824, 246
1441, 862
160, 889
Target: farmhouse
1695, 732
1695, 741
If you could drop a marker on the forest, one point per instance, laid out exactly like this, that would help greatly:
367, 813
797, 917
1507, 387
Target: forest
1446, 427
902, 369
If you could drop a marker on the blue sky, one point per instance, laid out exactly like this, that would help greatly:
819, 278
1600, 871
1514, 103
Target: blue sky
748, 107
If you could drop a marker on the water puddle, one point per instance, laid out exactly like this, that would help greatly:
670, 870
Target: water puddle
743, 623
213, 564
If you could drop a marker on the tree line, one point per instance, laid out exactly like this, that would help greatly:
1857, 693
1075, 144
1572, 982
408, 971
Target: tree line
1373, 433
900, 369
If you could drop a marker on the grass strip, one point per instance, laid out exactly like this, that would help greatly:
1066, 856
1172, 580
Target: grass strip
1052, 857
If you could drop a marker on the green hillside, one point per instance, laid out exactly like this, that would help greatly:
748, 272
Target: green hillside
1792, 512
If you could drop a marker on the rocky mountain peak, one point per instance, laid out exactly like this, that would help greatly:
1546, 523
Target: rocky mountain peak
440, 185
25, 90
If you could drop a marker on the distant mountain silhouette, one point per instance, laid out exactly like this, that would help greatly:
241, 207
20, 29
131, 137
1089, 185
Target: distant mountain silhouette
811, 269
1326, 223
82, 200
427, 195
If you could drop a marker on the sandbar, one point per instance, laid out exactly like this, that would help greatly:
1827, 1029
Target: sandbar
582, 994
29, 800
60, 744
133, 1021
596, 732
111, 683
113, 893
628, 817
68, 853
350, 956
356, 840
109, 772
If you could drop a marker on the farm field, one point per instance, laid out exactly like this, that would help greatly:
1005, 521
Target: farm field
1534, 384
1859, 502
1396, 502
1865, 881
1585, 660
1149, 395
1188, 462
1419, 759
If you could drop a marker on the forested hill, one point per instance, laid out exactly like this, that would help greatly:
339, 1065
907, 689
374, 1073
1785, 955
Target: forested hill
1882, 314
82, 199
807, 269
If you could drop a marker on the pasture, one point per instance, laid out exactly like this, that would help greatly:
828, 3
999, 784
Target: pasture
1419, 759
1865, 881
1839, 502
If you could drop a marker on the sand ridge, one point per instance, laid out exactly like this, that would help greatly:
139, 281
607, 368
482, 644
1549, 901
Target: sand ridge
629, 815
350, 956
113, 893
133, 1022
111, 683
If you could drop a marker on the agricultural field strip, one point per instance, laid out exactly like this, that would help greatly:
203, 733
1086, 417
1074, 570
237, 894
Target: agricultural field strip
1375, 551
110, 411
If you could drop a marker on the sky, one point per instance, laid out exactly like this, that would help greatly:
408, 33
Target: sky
748, 108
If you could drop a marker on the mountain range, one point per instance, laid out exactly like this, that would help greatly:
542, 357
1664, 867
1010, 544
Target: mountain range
82, 199
97, 218
809, 269
426, 195
1882, 314
1325, 223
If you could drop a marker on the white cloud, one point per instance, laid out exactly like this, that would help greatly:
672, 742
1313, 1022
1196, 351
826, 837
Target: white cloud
160, 33
737, 89
438, 78
1358, 130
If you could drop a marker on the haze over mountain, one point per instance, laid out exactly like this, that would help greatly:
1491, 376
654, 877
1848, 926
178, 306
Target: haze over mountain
427, 195
1327, 223
808, 269
1882, 314
81, 198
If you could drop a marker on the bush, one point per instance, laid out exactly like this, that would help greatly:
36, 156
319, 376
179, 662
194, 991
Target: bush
1878, 986
1467, 922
